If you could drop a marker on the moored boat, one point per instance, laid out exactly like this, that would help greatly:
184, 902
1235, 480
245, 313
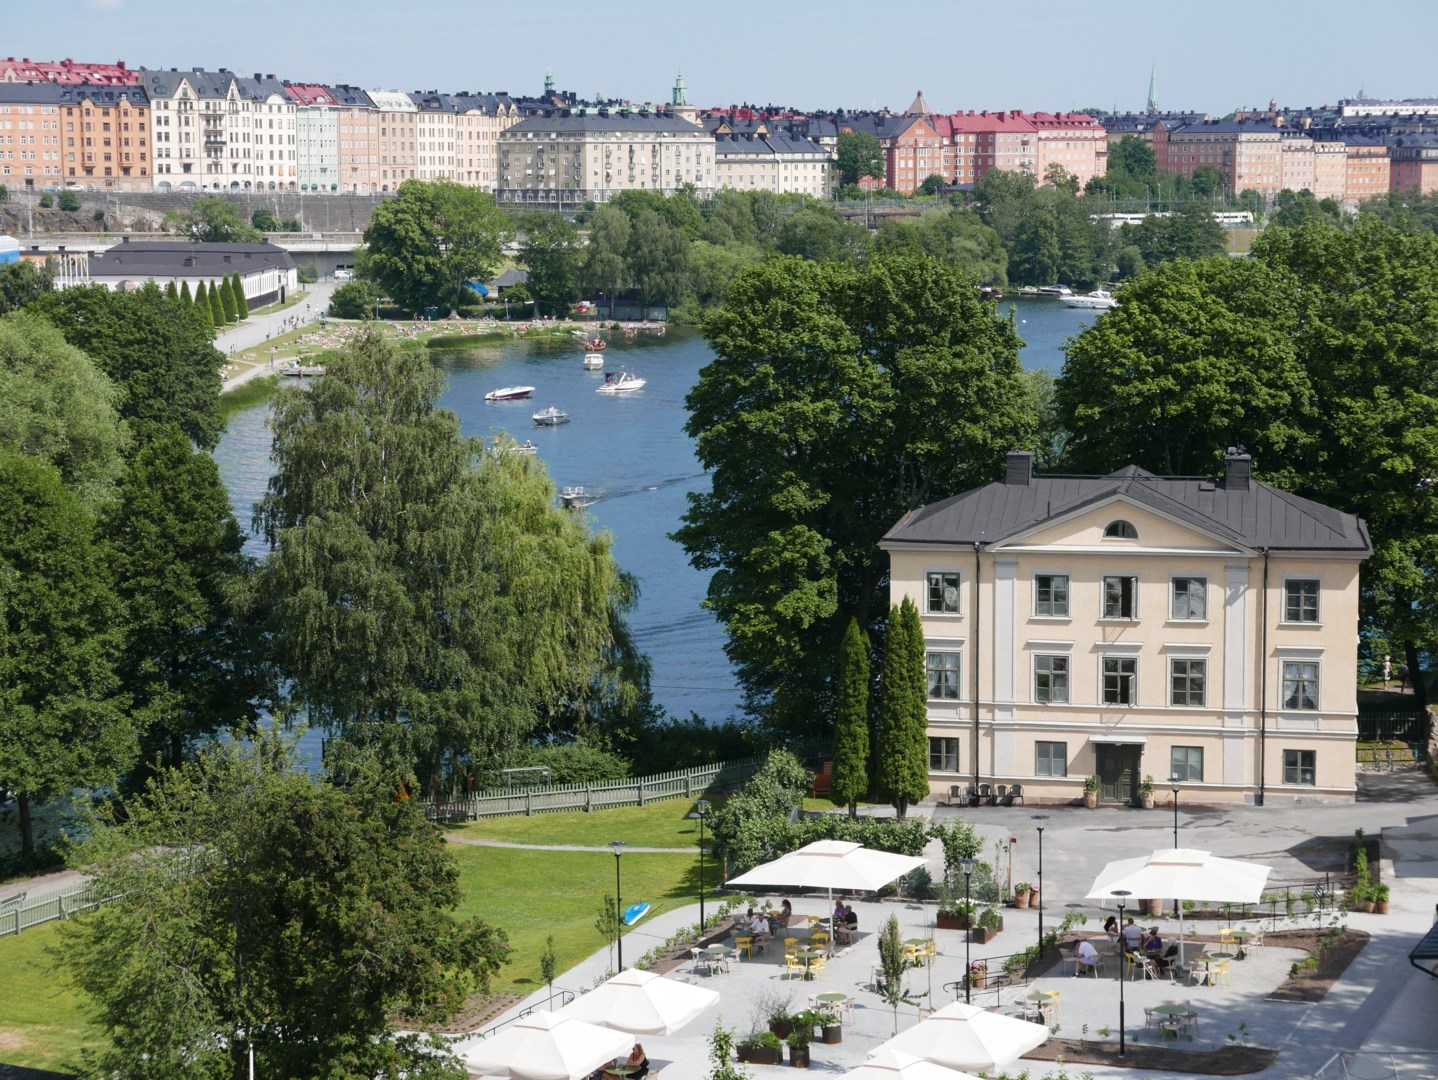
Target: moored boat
593, 360
620, 382
509, 393
552, 416
1098, 300
1055, 290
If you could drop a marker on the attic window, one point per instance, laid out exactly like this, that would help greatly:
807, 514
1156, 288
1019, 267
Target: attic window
1120, 530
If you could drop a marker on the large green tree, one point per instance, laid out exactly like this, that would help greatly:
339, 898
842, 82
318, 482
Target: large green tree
839, 398
427, 596
551, 250
658, 258
57, 406
61, 724
851, 728
157, 349
956, 237
422, 246
903, 753
606, 267
267, 922
859, 155
21, 284
189, 664
213, 221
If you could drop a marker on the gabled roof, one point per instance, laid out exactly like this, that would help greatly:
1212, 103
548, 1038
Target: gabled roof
142, 259
1254, 516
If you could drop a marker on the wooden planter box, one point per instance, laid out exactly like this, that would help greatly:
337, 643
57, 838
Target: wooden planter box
761, 1055
982, 935
953, 922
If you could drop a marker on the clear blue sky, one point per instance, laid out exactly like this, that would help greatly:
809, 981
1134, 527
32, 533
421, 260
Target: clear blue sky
1213, 55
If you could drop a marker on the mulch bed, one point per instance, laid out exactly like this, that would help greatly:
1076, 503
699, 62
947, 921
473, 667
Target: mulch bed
1225, 1061
1314, 983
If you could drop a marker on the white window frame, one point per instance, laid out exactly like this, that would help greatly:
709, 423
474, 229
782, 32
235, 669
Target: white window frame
1067, 675
1103, 660
1173, 594
958, 672
1103, 598
1173, 662
1120, 524
1284, 663
1067, 592
1064, 763
1317, 620
939, 612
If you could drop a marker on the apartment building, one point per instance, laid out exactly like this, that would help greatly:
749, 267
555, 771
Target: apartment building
1247, 153
317, 136
357, 131
773, 161
398, 138
1134, 625
1413, 164
1330, 171
1075, 142
458, 136
73, 135
67, 72
1367, 171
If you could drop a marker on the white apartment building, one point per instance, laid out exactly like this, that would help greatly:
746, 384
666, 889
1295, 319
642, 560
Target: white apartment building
777, 162
214, 131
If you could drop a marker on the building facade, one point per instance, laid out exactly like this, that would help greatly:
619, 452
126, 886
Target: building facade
784, 164
317, 137
1367, 170
1413, 164
357, 131
398, 138
1247, 153
65, 135
1131, 625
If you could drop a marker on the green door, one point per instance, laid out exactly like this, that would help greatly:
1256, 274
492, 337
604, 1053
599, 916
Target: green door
1117, 772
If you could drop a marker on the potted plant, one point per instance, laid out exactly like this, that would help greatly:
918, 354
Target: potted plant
831, 1026
773, 1006
1145, 793
1380, 898
955, 914
1021, 894
761, 1048
978, 974
989, 923
1090, 791
1361, 897
799, 1040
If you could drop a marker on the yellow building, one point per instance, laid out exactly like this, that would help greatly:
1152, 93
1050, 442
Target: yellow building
1132, 625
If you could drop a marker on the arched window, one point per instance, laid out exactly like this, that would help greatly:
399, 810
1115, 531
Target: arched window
1120, 530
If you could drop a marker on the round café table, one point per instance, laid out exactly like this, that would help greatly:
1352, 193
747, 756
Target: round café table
716, 954
1241, 938
808, 956
833, 1002
1039, 998
1205, 959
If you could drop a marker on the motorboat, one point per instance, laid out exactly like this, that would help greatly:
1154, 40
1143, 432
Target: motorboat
593, 360
620, 382
302, 371
525, 448
1099, 299
552, 416
574, 498
509, 393
1055, 290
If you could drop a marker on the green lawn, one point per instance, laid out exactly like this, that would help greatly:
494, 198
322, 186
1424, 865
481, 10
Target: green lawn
660, 824
43, 1021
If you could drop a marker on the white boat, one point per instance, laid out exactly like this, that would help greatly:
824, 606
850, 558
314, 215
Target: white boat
1055, 290
620, 382
1099, 299
525, 448
593, 360
509, 393
574, 498
552, 416
303, 371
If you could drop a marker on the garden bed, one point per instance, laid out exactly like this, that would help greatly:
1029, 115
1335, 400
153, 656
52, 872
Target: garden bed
1313, 983
1225, 1061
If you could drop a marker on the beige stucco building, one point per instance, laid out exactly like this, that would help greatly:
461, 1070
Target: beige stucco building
773, 161
1132, 625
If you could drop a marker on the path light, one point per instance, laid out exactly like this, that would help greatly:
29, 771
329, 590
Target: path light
968, 865
618, 846
1123, 957
1041, 818
700, 811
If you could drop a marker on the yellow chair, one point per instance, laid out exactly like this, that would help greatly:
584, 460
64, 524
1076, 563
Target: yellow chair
911, 956
818, 967
1218, 974
819, 937
1054, 1005
1225, 939
931, 950
793, 966
744, 945
790, 944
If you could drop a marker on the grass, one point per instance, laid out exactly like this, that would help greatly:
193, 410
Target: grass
44, 1022
660, 824
254, 392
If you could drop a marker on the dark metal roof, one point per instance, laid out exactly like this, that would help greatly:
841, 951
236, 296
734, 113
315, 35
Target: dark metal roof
38, 93
1256, 516
615, 121
183, 258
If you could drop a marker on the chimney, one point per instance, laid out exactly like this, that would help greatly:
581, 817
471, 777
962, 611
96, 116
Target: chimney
1020, 468
1237, 470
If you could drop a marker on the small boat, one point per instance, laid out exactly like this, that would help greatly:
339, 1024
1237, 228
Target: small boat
634, 912
525, 448
620, 382
1055, 290
302, 371
509, 393
574, 498
1099, 299
552, 416
593, 360
596, 344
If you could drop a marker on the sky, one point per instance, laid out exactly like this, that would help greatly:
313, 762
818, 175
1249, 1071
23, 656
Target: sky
1212, 56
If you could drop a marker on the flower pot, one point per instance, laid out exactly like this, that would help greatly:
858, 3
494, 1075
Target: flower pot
1021, 899
982, 935
1369, 905
833, 1033
1090, 799
1033, 898
799, 1056
977, 979
1380, 907
1154, 907
1145, 799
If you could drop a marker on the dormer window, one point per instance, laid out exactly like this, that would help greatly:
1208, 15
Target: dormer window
1120, 530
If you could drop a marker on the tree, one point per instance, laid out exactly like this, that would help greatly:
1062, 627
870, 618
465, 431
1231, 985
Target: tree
185, 293
157, 350
205, 312
606, 257
56, 405
658, 258
818, 232
422, 246
354, 300
903, 713
427, 597
850, 781
237, 290
1292, 208
893, 966
188, 665
261, 915
955, 237
227, 301
1132, 157
266, 222
213, 221
839, 398
551, 250
61, 724
608, 924
1208, 181
21, 284
549, 966
858, 155
933, 185
68, 201
217, 307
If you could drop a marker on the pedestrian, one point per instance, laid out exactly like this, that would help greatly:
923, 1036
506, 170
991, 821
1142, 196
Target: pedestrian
1403, 678
1387, 671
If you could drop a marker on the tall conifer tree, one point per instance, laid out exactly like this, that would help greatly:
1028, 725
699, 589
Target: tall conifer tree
851, 732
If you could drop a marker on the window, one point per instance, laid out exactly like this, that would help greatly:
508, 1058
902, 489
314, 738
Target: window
1120, 676
1190, 598
1051, 678
1120, 597
943, 592
1186, 762
1300, 684
1051, 759
943, 672
1299, 767
1300, 601
1051, 595
1186, 679
943, 755
1120, 530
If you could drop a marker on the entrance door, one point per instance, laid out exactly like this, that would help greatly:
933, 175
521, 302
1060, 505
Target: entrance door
1117, 772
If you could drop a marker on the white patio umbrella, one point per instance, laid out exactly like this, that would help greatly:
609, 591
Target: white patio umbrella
831, 864
547, 1046
641, 1003
961, 1036
897, 1065
1183, 874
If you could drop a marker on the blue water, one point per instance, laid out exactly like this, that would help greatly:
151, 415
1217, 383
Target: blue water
632, 454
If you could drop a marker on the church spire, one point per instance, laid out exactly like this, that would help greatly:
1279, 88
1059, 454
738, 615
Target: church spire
549, 84
681, 95
1153, 89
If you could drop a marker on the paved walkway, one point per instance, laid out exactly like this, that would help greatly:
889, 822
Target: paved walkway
257, 330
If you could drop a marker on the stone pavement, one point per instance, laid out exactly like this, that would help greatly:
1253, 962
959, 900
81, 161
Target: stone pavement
1381, 1004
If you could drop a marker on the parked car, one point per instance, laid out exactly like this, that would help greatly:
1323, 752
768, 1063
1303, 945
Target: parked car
344, 275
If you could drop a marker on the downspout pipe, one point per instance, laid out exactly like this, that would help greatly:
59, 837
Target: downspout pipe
978, 545
1263, 687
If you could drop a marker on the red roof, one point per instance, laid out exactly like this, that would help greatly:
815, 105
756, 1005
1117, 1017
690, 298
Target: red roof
67, 72
310, 94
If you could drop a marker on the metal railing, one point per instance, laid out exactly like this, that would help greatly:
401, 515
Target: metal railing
564, 996
1409, 726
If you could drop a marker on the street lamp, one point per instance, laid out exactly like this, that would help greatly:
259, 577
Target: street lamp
1123, 954
1174, 781
968, 865
618, 846
701, 809
1041, 818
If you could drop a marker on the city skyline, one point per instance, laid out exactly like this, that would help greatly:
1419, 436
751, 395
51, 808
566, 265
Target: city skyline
805, 54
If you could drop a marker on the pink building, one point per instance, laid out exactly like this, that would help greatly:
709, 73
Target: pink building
67, 72
1414, 164
1247, 154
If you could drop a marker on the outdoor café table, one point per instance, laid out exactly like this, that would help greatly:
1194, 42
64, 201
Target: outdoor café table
831, 1001
1172, 1009
1039, 998
1205, 959
716, 955
621, 1070
918, 943
808, 955
1241, 938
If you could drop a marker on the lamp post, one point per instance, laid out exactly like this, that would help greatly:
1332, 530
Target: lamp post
1123, 953
968, 865
701, 809
1174, 782
618, 846
1041, 818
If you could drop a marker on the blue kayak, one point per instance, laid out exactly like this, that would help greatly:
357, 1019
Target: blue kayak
634, 912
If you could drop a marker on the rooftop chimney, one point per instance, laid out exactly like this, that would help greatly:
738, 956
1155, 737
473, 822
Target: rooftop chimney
1020, 468
1237, 470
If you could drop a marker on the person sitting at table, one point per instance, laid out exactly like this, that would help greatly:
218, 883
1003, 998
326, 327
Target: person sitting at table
759, 927
786, 912
1110, 927
638, 1062
1152, 943
1085, 955
845, 925
1132, 935
837, 919
1169, 958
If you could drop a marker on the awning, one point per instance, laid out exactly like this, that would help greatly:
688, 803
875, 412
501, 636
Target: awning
1119, 740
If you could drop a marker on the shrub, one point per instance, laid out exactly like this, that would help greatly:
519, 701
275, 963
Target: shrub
574, 763
46, 201
69, 201
354, 300
307, 275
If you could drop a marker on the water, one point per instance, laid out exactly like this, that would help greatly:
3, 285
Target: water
628, 451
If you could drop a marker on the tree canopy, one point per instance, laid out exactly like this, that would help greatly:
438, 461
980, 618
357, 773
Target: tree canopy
213, 221
551, 250
21, 284
859, 155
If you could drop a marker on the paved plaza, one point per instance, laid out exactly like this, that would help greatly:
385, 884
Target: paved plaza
1381, 1004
